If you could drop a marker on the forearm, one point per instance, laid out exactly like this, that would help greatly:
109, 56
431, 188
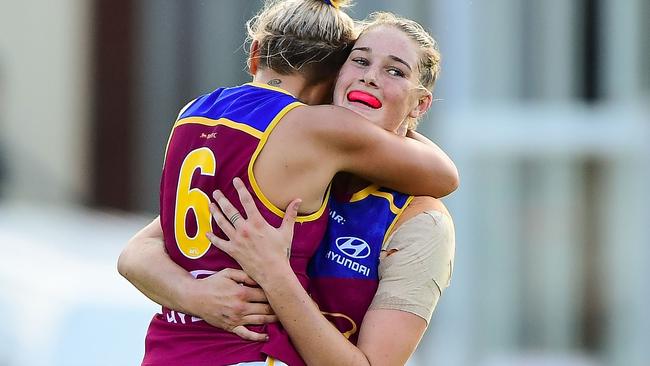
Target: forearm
449, 172
315, 338
430, 171
147, 266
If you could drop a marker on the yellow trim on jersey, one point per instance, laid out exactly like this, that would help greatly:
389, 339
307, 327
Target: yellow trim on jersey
172, 130
270, 87
346, 334
373, 190
256, 188
392, 224
221, 121
364, 193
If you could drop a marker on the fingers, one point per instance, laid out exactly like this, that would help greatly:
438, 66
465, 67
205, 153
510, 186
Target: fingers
229, 211
240, 276
290, 215
244, 333
255, 294
289, 221
246, 200
257, 308
259, 319
221, 220
219, 243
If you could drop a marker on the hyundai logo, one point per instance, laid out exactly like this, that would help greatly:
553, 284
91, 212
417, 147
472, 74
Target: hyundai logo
353, 247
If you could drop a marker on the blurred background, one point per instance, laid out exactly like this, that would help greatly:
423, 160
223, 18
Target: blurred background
544, 106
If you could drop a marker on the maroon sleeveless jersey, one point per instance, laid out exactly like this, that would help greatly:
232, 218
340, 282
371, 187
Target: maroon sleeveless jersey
344, 271
216, 138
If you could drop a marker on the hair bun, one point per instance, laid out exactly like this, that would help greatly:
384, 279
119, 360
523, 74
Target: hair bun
336, 3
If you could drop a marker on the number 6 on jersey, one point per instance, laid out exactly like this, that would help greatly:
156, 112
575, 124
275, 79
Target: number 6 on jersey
188, 198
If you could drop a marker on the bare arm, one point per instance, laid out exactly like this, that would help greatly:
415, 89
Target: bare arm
387, 337
218, 299
145, 264
353, 144
299, 315
420, 137
390, 337
414, 270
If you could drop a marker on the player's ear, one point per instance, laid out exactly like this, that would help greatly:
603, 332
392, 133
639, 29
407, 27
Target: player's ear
423, 105
254, 58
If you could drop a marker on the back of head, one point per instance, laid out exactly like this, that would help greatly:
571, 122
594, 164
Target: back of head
310, 37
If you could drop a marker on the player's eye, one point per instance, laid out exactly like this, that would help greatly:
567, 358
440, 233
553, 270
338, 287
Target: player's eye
393, 71
361, 61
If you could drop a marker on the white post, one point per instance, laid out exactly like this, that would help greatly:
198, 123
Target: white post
624, 262
622, 33
553, 264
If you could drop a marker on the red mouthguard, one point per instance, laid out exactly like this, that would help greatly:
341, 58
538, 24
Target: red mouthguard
365, 98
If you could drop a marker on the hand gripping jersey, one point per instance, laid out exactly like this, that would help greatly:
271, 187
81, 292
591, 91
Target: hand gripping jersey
344, 270
216, 138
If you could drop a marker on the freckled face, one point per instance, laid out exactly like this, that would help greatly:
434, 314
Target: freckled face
379, 79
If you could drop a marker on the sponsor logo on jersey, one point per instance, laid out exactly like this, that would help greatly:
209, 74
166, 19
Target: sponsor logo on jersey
336, 217
348, 263
208, 136
353, 247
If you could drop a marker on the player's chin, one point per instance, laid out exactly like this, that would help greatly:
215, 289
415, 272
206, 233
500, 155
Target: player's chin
363, 110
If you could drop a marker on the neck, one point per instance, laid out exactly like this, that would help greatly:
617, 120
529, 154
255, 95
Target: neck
295, 84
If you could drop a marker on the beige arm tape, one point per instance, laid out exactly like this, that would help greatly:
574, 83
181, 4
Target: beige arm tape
414, 276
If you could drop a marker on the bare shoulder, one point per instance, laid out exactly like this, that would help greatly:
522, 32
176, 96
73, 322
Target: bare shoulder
426, 203
313, 134
324, 138
331, 124
419, 205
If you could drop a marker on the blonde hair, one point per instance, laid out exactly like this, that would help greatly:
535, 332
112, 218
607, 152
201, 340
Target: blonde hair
311, 37
430, 57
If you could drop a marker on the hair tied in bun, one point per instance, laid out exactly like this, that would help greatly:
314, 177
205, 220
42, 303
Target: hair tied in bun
334, 3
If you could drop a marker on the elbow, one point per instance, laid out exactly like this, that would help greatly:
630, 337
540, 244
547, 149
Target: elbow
454, 180
121, 265
123, 262
447, 183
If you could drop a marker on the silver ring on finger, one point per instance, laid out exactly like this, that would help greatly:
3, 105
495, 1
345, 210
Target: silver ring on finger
234, 218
